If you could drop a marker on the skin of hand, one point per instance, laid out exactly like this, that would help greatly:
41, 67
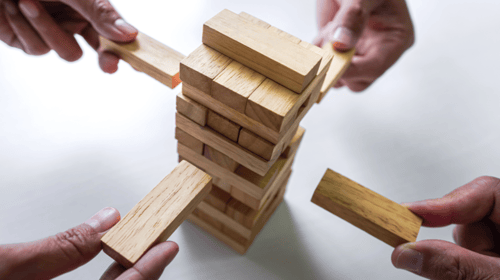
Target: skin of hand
380, 30
40, 26
475, 208
61, 253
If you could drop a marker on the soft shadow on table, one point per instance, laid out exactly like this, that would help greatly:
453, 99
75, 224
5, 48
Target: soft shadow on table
278, 249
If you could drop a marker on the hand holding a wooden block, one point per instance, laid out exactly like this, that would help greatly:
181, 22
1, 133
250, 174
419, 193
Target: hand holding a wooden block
380, 30
40, 26
66, 251
475, 208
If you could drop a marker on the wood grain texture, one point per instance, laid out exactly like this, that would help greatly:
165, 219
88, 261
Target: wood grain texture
224, 145
260, 49
386, 220
224, 126
149, 56
201, 67
218, 198
340, 63
189, 141
220, 159
158, 214
234, 85
193, 110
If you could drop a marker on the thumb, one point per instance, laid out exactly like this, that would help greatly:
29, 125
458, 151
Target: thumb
105, 19
58, 254
436, 259
348, 24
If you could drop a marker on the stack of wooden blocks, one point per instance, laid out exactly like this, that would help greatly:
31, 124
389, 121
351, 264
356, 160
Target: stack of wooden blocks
245, 91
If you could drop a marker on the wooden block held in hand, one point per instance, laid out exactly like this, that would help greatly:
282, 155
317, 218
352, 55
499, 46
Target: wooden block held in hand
261, 50
200, 67
234, 85
384, 219
223, 126
158, 214
191, 109
189, 141
149, 56
340, 63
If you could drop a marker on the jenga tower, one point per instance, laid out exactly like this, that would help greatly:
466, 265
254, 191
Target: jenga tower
245, 91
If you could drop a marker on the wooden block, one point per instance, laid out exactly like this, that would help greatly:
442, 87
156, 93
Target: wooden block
189, 141
235, 236
257, 144
224, 145
223, 126
202, 66
276, 107
285, 35
208, 219
340, 63
191, 109
218, 198
234, 85
260, 49
254, 20
158, 214
295, 143
149, 56
220, 159
384, 219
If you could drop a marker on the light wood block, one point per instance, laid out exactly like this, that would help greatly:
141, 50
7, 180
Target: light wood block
158, 214
276, 107
224, 145
224, 219
218, 198
189, 141
223, 126
234, 85
220, 159
386, 220
202, 66
149, 56
340, 63
254, 20
260, 49
191, 109
261, 146
222, 184
208, 219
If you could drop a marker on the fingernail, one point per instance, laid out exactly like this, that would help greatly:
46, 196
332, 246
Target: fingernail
104, 219
10, 8
343, 39
29, 9
410, 259
125, 28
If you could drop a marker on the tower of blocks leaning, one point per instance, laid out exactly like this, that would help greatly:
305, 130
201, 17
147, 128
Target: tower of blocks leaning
244, 92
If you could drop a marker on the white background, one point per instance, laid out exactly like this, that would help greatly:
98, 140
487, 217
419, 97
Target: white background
74, 140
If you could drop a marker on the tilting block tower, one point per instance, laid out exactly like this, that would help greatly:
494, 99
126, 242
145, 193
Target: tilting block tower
245, 91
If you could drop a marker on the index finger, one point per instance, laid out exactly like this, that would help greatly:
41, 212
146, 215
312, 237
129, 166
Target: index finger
470, 203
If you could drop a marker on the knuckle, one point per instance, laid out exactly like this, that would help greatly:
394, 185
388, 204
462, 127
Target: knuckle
458, 269
357, 12
104, 10
73, 242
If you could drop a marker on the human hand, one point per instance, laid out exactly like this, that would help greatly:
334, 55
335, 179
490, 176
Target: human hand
475, 207
61, 253
380, 30
40, 26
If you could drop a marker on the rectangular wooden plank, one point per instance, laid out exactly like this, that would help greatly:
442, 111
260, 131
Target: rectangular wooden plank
223, 126
225, 220
200, 67
191, 109
384, 219
260, 49
254, 20
234, 85
149, 56
222, 144
189, 141
158, 214
295, 143
220, 159
222, 184
276, 107
207, 218
261, 146
340, 63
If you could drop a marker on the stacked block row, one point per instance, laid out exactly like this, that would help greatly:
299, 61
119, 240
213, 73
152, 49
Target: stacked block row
244, 93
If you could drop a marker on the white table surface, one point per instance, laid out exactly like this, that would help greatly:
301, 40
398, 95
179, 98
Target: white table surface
74, 140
